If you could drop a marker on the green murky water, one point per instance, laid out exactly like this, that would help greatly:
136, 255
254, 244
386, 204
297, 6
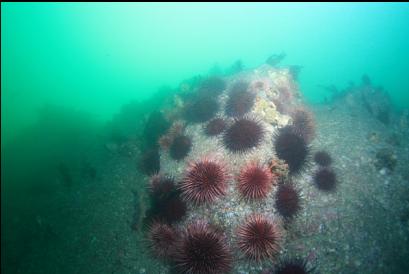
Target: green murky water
72, 75
98, 57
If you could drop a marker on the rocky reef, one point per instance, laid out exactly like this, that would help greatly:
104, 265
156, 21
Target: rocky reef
235, 151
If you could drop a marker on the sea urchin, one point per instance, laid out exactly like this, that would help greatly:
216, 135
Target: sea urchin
287, 201
202, 249
243, 135
180, 147
322, 158
259, 238
161, 240
255, 181
325, 179
293, 266
240, 100
215, 127
205, 181
165, 202
291, 148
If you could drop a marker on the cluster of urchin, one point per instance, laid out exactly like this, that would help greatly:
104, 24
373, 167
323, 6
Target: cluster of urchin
253, 165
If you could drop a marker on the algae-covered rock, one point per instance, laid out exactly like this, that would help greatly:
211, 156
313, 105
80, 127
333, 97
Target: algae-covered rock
268, 112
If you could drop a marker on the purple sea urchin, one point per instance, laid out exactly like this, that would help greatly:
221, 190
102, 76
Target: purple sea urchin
292, 266
287, 201
202, 250
325, 179
174, 209
240, 100
255, 181
215, 127
180, 147
259, 238
243, 135
322, 158
291, 148
205, 181
165, 202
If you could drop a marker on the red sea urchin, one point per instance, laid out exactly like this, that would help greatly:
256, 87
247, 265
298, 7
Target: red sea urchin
325, 179
255, 181
202, 250
215, 127
287, 202
180, 147
259, 238
205, 181
322, 158
161, 240
291, 148
240, 100
243, 135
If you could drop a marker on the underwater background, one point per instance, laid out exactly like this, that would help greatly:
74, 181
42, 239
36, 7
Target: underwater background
87, 90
